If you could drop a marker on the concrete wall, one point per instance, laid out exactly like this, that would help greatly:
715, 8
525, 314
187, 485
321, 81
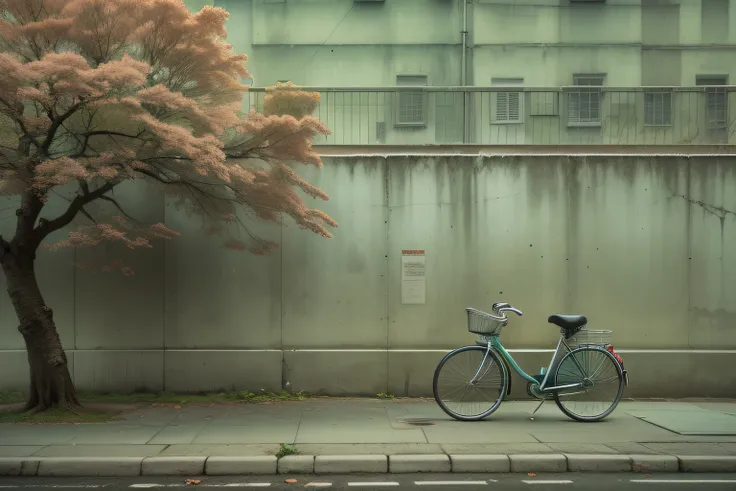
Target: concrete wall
641, 245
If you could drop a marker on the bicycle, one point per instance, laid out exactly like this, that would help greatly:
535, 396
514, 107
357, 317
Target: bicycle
586, 355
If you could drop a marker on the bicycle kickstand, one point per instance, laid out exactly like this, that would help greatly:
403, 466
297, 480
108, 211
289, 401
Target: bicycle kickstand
535, 411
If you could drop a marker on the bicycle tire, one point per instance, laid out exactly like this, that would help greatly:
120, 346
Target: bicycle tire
492, 355
619, 394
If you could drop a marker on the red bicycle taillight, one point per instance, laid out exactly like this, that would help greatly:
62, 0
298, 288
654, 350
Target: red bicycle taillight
613, 352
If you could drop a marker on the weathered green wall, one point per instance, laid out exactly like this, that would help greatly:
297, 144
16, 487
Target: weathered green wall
636, 243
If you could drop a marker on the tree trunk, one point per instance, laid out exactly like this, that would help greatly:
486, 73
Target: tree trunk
51, 385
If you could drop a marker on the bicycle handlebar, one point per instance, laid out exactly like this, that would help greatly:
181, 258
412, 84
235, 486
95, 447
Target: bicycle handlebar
511, 309
501, 307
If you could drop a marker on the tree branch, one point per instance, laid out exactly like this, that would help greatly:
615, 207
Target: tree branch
47, 226
117, 205
56, 124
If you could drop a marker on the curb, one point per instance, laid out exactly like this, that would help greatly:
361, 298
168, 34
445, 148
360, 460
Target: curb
357, 464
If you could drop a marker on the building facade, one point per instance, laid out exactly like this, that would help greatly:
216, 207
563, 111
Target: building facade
499, 71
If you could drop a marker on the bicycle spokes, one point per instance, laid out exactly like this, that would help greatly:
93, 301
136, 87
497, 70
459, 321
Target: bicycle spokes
469, 383
598, 378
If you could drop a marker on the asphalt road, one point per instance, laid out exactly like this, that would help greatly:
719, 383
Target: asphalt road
506, 482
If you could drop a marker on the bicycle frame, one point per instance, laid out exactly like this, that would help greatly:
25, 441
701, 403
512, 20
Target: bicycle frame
494, 344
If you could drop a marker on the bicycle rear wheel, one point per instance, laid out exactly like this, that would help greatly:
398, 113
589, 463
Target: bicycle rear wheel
457, 396
602, 384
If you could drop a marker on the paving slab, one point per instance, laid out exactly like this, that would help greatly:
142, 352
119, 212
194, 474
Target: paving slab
36, 435
492, 448
247, 434
631, 448
689, 448
368, 448
102, 450
19, 450
701, 422
113, 434
477, 432
178, 433
252, 450
729, 447
582, 448
149, 416
311, 432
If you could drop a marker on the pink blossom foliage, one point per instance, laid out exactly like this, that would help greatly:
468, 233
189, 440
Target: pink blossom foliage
97, 92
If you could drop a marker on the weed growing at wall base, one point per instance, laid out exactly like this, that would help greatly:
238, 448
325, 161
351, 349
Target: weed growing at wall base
286, 449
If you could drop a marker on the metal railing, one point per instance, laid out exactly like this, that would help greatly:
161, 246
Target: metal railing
585, 115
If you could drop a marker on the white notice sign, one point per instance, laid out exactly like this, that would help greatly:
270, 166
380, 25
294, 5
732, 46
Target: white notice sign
413, 276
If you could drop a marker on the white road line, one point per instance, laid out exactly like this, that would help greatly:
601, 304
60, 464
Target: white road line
154, 485
228, 485
379, 483
547, 482
245, 485
242, 485
684, 481
450, 483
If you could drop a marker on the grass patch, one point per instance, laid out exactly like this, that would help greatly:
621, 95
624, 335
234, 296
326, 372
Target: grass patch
286, 449
57, 415
12, 397
381, 395
167, 397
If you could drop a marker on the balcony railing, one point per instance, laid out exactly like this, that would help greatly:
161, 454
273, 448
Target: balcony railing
584, 115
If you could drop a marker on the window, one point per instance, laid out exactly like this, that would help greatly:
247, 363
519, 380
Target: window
584, 102
411, 109
657, 107
507, 107
714, 17
716, 101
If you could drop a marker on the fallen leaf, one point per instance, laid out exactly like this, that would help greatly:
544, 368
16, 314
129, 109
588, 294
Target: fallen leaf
531, 474
177, 407
193, 481
290, 481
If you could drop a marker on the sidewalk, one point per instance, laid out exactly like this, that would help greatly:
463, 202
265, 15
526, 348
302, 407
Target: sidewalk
368, 435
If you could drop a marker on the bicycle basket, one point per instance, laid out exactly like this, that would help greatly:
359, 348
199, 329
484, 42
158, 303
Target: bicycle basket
587, 337
480, 322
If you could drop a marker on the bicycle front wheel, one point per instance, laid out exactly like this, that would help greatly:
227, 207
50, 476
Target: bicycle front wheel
470, 383
601, 379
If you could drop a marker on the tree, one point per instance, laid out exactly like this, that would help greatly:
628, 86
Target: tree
94, 93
